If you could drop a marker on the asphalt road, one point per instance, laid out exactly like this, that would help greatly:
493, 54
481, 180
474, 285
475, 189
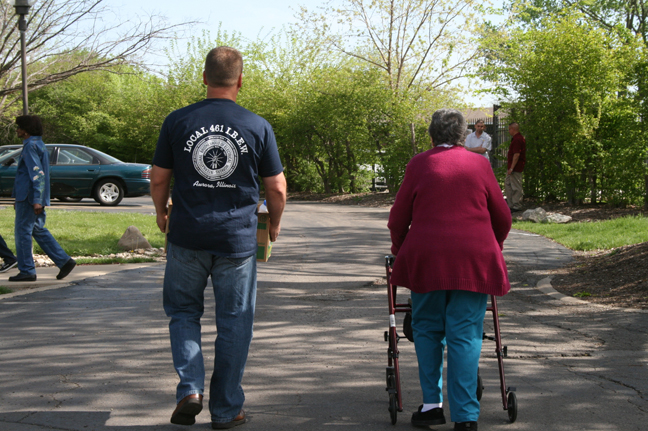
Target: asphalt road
95, 355
142, 204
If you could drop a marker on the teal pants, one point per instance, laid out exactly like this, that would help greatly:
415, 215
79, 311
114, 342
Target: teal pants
454, 318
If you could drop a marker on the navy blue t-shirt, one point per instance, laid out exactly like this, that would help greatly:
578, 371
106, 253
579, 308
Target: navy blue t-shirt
217, 150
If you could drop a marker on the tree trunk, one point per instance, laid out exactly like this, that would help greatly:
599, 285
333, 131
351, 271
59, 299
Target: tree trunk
321, 170
413, 140
351, 167
646, 196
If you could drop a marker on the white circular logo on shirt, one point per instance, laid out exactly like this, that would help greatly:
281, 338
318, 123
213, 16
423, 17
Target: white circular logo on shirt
215, 157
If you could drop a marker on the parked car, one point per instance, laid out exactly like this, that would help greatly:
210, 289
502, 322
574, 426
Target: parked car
5, 149
78, 172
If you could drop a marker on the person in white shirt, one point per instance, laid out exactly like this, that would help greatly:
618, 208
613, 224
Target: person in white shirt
479, 141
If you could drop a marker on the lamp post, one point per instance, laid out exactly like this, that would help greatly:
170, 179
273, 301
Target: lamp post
22, 9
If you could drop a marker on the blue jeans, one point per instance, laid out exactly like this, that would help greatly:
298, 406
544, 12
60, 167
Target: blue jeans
234, 281
455, 317
28, 224
5, 253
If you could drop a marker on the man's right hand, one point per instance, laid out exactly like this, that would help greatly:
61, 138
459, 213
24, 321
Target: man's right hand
275, 191
274, 231
160, 182
161, 220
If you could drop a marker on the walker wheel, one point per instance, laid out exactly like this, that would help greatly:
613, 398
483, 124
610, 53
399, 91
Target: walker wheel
480, 387
407, 327
512, 407
393, 407
391, 378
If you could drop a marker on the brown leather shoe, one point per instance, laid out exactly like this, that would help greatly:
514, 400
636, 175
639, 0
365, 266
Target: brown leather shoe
187, 409
238, 420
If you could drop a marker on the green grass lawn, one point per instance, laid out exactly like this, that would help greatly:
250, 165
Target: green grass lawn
87, 233
92, 233
598, 235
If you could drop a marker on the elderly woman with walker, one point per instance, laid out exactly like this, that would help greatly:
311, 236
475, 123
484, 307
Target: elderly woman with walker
448, 225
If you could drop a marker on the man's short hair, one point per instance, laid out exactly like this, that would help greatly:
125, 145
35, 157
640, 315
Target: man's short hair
223, 66
480, 121
514, 123
31, 124
447, 127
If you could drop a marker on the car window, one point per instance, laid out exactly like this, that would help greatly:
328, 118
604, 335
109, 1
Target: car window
73, 156
7, 150
106, 158
15, 154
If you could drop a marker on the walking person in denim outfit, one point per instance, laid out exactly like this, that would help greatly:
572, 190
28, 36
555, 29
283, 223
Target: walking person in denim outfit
215, 150
9, 259
32, 194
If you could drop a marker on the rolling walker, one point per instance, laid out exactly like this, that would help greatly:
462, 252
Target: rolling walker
509, 399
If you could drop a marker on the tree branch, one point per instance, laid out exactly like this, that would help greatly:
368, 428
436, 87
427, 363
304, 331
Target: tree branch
68, 37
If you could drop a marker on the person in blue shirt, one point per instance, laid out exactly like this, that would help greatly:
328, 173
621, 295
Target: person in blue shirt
218, 153
32, 194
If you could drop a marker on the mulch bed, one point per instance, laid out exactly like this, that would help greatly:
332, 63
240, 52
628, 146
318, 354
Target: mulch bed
616, 277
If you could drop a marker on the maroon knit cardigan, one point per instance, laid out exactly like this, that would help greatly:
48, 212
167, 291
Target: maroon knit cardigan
448, 225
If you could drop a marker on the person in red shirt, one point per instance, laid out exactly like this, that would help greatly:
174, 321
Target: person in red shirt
448, 225
516, 159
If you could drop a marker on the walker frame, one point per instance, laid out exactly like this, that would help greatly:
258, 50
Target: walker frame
509, 399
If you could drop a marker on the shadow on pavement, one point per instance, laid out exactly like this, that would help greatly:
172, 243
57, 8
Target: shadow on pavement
96, 356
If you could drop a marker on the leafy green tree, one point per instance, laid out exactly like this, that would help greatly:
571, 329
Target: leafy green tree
331, 126
610, 15
277, 79
416, 44
626, 18
121, 111
335, 116
118, 113
418, 48
320, 106
570, 86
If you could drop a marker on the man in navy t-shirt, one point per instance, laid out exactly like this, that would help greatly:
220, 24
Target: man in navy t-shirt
215, 150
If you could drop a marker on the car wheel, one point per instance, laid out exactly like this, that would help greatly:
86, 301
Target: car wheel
109, 192
69, 199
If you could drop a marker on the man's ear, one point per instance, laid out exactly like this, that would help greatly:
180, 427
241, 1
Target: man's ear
205, 78
239, 84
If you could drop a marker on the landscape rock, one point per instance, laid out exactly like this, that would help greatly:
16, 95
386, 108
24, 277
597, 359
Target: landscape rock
558, 218
133, 239
537, 215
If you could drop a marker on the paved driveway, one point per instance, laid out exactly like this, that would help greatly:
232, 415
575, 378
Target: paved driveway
142, 204
95, 355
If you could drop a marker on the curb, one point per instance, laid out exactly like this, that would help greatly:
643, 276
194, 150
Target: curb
80, 274
30, 290
545, 287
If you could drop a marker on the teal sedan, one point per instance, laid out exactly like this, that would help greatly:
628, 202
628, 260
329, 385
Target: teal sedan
78, 172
